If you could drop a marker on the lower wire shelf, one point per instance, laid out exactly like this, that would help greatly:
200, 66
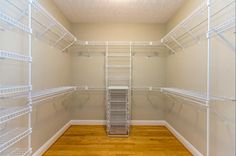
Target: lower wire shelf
9, 137
7, 114
17, 152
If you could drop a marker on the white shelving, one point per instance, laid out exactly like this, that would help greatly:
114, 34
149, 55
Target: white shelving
222, 20
16, 15
50, 93
6, 92
194, 95
13, 22
194, 27
186, 93
47, 28
189, 31
10, 137
17, 152
10, 113
14, 56
87, 48
118, 58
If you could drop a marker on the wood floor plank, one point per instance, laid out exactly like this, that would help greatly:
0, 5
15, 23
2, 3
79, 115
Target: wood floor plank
93, 141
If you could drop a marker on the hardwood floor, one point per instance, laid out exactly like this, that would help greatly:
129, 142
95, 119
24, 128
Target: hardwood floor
93, 141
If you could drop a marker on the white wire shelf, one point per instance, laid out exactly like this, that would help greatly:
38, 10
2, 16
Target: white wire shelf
7, 114
194, 27
227, 25
189, 31
6, 92
223, 21
50, 93
14, 56
119, 43
10, 137
47, 28
7, 20
194, 96
17, 152
85, 48
186, 94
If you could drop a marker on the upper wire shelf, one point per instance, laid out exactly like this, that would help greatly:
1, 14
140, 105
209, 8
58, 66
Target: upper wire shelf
194, 27
223, 20
10, 137
150, 48
10, 113
47, 28
6, 92
14, 56
189, 31
11, 17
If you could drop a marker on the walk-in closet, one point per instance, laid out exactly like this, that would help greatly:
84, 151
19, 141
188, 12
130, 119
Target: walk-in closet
117, 77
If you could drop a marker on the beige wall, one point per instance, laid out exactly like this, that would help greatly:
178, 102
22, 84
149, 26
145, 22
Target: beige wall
186, 9
146, 71
187, 69
51, 68
119, 32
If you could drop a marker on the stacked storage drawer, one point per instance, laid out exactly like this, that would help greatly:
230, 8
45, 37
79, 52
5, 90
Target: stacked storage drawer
118, 114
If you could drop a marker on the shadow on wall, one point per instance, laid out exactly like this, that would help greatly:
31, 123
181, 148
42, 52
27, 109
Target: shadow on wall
48, 117
189, 118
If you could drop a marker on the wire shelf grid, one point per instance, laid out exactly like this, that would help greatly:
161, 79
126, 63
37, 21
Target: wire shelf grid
10, 137
14, 56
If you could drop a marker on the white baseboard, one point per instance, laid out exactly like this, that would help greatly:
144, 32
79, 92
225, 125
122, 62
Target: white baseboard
185, 142
103, 122
51, 141
88, 122
148, 122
